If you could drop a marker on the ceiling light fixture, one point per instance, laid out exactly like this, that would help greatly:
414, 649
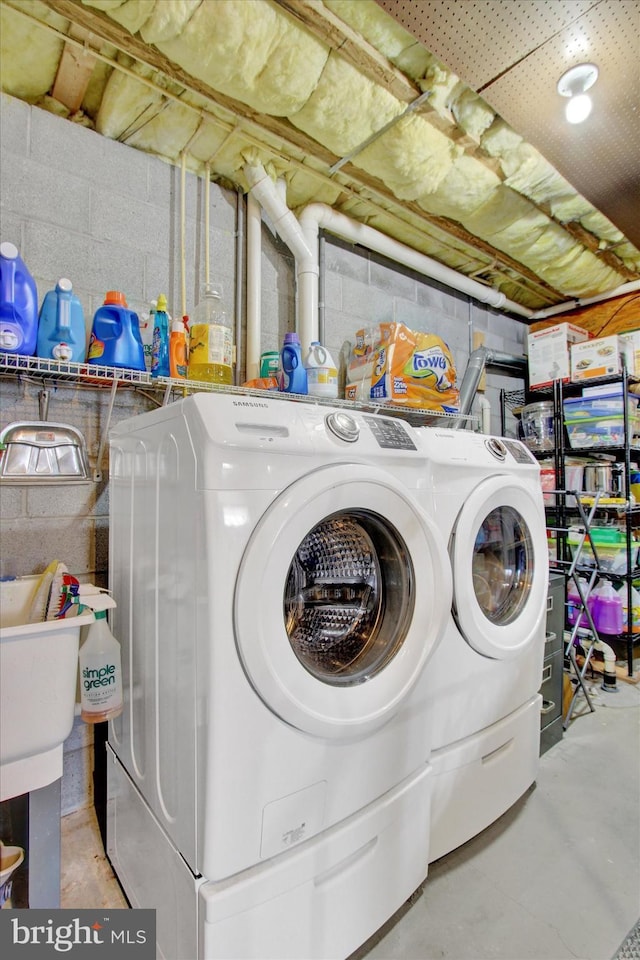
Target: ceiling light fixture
573, 84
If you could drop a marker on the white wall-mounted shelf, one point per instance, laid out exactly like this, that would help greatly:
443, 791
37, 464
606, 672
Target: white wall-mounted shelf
48, 371
95, 374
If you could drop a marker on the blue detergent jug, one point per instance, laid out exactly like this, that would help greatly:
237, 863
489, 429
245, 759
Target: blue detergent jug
293, 376
61, 330
115, 336
18, 304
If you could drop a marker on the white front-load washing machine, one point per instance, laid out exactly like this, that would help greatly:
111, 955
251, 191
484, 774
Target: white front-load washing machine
280, 590
484, 494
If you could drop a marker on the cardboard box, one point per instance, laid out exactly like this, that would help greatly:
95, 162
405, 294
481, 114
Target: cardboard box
632, 341
549, 353
603, 389
599, 358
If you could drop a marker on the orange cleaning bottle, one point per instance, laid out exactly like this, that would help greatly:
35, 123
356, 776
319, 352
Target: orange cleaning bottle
178, 349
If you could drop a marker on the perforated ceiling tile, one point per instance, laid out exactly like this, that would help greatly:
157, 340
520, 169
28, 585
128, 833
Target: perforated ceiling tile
601, 154
513, 52
479, 39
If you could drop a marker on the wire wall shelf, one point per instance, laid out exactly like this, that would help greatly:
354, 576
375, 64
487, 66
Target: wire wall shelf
114, 377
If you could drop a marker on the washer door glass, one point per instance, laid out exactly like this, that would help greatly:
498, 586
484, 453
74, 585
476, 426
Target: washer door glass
500, 565
349, 597
503, 565
332, 628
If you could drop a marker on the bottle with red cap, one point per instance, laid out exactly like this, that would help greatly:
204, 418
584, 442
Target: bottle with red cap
115, 335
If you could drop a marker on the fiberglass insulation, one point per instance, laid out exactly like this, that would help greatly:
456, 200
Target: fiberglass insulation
385, 34
44, 51
467, 185
255, 53
250, 51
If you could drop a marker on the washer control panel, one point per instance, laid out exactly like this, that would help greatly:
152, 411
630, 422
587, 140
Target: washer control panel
390, 434
519, 452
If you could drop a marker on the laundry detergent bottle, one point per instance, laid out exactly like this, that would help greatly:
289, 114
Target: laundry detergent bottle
293, 376
18, 304
178, 348
574, 603
607, 609
632, 624
61, 329
322, 373
115, 336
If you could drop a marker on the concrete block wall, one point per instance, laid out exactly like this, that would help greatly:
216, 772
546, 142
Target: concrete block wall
108, 217
360, 288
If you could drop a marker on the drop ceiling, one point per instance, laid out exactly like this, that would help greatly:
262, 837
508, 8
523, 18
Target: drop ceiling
513, 52
372, 107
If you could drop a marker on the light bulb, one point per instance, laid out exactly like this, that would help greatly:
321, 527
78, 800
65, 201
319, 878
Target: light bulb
578, 108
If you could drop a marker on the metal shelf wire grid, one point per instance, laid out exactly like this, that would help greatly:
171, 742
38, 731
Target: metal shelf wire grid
93, 374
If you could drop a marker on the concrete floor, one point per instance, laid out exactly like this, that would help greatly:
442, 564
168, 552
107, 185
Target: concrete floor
558, 876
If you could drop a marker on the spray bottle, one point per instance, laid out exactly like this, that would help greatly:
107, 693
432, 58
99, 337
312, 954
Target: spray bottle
99, 657
147, 323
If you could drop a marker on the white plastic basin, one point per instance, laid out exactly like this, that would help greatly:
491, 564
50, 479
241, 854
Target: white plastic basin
38, 667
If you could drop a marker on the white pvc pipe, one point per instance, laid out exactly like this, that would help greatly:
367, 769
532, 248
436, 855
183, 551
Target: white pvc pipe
254, 274
319, 215
302, 239
485, 414
585, 301
609, 667
265, 191
207, 238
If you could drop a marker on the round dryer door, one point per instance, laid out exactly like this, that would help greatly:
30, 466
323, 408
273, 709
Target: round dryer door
500, 567
343, 591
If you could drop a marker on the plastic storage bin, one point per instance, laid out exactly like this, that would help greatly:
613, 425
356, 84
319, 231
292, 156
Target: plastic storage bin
598, 421
537, 425
611, 547
38, 670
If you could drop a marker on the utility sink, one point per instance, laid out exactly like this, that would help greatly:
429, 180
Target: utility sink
38, 669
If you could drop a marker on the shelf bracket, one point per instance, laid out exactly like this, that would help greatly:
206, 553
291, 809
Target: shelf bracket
97, 473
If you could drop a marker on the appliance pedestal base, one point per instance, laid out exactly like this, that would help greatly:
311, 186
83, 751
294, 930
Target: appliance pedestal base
477, 779
322, 899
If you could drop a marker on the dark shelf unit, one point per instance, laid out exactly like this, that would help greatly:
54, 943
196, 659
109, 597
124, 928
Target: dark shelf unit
561, 514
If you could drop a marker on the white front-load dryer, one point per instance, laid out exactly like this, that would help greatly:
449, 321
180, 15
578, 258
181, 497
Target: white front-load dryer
484, 494
281, 590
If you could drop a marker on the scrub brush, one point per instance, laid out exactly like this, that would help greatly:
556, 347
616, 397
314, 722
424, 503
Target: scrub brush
64, 588
42, 592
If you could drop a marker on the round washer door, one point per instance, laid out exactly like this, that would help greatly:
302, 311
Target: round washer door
343, 591
500, 562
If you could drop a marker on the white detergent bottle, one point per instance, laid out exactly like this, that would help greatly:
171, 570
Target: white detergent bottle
322, 373
635, 609
100, 668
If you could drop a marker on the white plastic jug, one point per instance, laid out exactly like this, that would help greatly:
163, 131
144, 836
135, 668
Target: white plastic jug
635, 608
322, 373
